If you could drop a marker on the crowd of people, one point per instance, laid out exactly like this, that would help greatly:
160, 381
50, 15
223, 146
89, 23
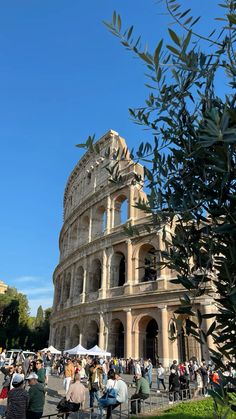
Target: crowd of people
26, 380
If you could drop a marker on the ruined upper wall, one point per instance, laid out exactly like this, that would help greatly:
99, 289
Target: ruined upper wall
90, 174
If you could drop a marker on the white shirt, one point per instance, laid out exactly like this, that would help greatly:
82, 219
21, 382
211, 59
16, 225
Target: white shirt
122, 391
137, 369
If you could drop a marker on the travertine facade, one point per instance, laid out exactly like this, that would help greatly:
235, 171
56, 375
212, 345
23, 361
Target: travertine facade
105, 291
3, 287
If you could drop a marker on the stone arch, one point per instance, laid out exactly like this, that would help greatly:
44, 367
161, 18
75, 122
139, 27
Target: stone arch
75, 336
95, 275
116, 338
120, 210
99, 221
148, 338
92, 334
148, 258
118, 270
63, 338
79, 280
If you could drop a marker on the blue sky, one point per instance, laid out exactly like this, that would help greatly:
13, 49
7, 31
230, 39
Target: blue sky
63, 76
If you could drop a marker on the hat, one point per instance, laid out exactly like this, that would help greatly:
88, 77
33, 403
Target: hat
17, 379
32, 375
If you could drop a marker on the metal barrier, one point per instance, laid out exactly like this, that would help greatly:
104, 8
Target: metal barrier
155, 401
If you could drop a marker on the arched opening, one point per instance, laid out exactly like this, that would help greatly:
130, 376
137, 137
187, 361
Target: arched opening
73, 235
79, 279
118, 270
56, 338
75, 335
116, 338
57, 292
63, 339
120, 210
84, 230
188, 347
182, 342
148, 342
92, 334
99, 221
148, 263
95, 275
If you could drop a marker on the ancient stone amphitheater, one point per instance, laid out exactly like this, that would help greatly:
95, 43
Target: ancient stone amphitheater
109, 289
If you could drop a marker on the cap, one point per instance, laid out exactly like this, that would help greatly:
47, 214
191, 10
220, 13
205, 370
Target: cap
17, 379
32, 375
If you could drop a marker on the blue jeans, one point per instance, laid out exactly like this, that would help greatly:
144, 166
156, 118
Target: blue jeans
92, 396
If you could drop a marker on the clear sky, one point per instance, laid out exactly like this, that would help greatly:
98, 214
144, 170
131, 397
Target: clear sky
63, 76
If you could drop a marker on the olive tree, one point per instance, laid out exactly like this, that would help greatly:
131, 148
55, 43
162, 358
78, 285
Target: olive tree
190, 166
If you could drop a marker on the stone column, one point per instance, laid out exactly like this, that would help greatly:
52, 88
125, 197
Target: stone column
112, 210
136, 353
72, 283
108, 226
208, 308
62, 289
83, 295
128, 334
90, 224
101, 331
164, 336
102, 291
129, 268
131, 203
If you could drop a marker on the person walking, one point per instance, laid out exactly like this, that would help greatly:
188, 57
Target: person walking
40, 371
174, 386
95, 382
36, 397
69, 373
18, 399
160, 377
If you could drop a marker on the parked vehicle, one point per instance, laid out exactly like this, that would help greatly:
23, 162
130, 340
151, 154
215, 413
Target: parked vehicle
17, 355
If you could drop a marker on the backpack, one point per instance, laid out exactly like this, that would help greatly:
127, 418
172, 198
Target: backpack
109, 398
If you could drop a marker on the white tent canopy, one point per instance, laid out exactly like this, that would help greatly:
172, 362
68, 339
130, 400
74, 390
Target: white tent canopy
96, 351
51, 349
77, 350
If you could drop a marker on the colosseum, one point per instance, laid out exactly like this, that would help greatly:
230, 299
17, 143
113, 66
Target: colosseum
109, 289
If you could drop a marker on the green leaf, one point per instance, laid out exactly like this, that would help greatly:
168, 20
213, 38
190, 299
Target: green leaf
174, 37
157, 53
130, 32
232, 18
211, 329
186, 41
119, 23
174, 50
114, 18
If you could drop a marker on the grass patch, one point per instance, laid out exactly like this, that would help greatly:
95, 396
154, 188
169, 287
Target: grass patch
202, 409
